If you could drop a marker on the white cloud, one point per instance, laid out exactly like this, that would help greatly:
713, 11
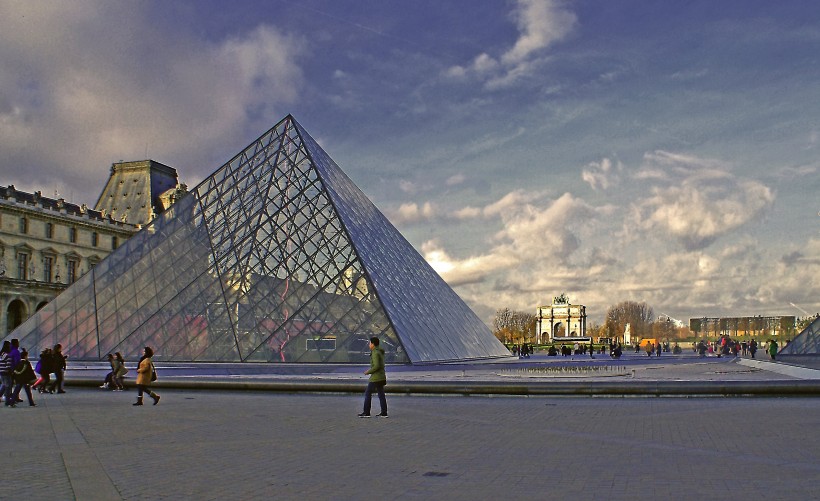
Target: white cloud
472, 269
602, 175
102, 83
455, 179
672, 257
408, 186
468, 213
540, 24
535, 231
701, 201
412, 213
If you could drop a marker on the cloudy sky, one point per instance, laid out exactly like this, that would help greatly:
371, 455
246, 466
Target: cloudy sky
664, 152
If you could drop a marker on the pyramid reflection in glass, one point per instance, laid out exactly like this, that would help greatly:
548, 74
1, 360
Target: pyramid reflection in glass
276, 257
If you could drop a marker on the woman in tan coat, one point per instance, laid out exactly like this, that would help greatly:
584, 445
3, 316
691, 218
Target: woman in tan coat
144, 376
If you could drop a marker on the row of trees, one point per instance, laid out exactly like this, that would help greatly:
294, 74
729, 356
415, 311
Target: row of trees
516, 326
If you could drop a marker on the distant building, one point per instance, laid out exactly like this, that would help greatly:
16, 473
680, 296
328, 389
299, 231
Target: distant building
46, 244
137, 191
781, 327
560, 320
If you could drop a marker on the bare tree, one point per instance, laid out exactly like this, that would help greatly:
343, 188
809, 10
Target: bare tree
596, 331
638, 315
514, 326
502, 325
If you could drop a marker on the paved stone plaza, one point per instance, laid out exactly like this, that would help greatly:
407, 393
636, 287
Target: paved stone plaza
91, 444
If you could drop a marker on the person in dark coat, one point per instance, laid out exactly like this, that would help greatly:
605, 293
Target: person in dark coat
23, 377
58, 366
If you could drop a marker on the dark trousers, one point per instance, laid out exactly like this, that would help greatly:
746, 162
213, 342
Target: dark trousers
57, 384
19, 387
8, 386
378, 387
141, 388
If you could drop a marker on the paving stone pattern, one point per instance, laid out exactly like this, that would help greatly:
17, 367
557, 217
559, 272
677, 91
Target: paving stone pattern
90, 444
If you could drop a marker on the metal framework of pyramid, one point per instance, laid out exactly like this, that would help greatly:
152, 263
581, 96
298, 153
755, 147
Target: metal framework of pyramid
276, 257
806, 343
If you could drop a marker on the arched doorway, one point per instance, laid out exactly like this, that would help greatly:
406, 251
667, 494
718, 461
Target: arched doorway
41, 305
15, 315
558, 330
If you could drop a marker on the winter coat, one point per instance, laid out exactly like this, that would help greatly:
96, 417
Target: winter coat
44, 364
24, 374
144, 371
773, 348
376, 369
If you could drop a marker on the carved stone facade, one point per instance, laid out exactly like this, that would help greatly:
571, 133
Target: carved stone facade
46, 244
137, 191
560, 320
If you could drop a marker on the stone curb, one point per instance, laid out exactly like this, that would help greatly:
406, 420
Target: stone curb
797, 388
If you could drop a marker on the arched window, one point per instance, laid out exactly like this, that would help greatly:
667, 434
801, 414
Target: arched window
15, 314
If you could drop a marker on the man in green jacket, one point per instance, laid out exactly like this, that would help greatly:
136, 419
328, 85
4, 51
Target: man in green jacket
377, 379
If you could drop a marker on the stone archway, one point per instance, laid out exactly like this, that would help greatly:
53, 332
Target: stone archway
41, 305
558, 330
15, 314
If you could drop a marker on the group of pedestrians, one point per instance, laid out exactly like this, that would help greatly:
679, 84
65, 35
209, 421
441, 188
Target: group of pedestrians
17, 374
146, 374
52, 361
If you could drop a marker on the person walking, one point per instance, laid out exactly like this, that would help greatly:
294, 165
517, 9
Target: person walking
377, 381
43, 369
23, 378
145, 375
58, 366
772, 348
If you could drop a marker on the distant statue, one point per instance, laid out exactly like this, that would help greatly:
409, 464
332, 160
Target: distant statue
562, 299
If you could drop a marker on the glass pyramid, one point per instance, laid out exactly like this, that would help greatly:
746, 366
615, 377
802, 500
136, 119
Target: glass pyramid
806, 343
276, 257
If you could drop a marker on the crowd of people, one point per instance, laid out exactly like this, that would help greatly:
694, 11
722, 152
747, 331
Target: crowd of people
17, 374
726, 346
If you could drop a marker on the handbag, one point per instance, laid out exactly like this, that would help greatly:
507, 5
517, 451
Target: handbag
153, 373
